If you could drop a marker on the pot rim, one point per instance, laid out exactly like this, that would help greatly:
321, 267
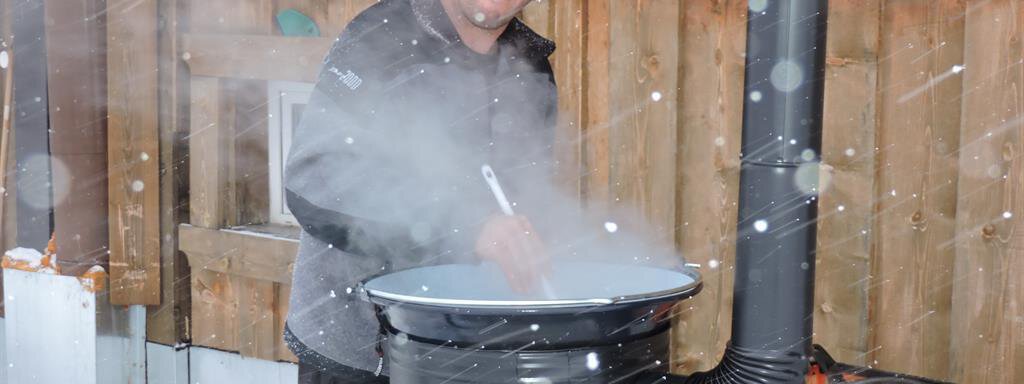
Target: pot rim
389, 298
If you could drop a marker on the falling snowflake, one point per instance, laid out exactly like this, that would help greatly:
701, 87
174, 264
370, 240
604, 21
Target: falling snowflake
761, 225
611, 227
592, 362
755, 96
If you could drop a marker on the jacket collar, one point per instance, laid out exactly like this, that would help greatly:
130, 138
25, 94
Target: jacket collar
433, 19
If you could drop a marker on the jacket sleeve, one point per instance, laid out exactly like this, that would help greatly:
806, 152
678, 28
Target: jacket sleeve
337, 161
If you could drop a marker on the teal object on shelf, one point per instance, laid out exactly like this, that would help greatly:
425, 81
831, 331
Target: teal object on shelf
296, 24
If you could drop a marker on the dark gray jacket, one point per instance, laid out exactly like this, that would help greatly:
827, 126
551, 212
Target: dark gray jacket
384, 168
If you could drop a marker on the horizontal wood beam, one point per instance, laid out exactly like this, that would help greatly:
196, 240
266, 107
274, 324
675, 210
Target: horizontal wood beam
255, 57
261, 256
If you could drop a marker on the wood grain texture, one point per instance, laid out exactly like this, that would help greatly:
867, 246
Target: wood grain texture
240, 253
987, 343
710, 118
133, 135
255, 57
166, 323
231, 16
916, 182
236, 313
208, 169
567, 62
538, 15
283, 353
845, 235
250, 164
596, 130
256, 313
214, 321
644, 63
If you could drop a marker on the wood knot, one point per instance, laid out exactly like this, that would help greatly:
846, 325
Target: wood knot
918, 221
652, 64
1007, 151
988, 231
826, 307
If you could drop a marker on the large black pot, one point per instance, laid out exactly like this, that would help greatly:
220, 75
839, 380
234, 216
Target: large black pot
471, 305
470, 311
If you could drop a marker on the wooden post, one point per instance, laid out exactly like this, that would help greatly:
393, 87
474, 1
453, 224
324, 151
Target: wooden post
166, 323
133, 136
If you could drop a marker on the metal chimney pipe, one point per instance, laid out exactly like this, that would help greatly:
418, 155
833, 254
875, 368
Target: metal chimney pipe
782, 120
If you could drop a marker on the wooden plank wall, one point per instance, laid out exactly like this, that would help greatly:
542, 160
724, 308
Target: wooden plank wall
917, 262
890, 267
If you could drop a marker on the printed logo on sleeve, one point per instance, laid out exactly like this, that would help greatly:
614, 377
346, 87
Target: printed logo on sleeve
351, 80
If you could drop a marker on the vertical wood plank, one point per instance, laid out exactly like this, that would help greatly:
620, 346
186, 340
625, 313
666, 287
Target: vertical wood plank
845, 234
713, 46
77, 89
280, 316
209, 141
538, 16
166, 323
132, 136
215, 309
596, 75
255, 325
988, 293
918, 133
644, 64
568, 32
249, 164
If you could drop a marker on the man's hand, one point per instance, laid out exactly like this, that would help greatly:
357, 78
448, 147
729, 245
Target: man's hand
511, 242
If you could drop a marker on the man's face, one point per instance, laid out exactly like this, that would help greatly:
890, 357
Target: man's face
490, 14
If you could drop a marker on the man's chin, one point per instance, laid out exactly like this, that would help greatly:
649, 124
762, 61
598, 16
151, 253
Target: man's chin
490, 23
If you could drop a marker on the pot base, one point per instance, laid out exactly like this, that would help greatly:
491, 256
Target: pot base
415, 362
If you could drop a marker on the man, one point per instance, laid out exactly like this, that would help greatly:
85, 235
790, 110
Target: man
384, 170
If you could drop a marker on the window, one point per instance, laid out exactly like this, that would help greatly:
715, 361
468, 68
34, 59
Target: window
286, 102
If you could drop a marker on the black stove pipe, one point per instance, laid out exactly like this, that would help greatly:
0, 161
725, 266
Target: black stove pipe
782, 120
